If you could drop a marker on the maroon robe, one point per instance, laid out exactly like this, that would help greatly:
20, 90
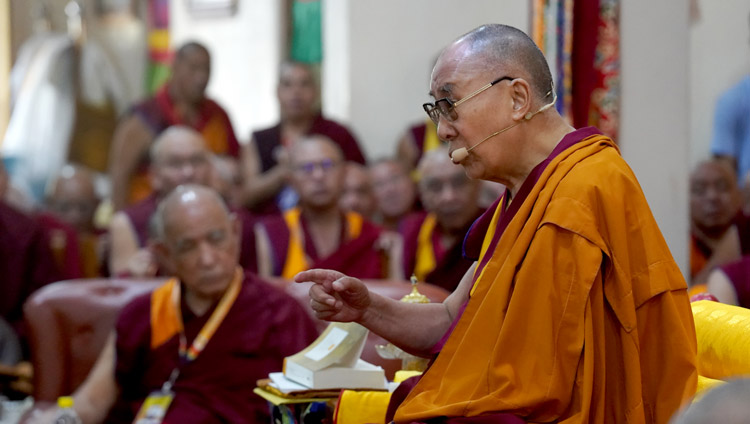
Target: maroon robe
26, 264
357, 258
472, 249
738, 274
64, 244
140, 214
450, 264
268, 140
262, 327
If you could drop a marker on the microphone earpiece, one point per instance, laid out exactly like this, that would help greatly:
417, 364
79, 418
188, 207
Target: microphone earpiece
459, 155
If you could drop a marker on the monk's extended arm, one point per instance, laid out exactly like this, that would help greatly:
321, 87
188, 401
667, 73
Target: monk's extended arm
259, 186
416, 328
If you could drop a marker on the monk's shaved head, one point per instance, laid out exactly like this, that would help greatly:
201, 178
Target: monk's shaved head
510, 49
725, 404
438, 156
71, 195
179, 156
182, 198
190, 47
71, 181
301, 148
172, 137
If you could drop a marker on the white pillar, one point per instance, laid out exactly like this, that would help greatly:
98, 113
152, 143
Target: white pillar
4, 66
654, 126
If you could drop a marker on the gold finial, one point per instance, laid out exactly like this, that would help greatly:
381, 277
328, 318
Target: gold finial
415, 296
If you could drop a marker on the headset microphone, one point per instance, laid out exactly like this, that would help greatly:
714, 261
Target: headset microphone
459, 155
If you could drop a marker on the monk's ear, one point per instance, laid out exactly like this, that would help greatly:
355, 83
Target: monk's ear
521, 99
162, 255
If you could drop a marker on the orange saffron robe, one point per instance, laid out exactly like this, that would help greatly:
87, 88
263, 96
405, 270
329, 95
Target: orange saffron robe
580, 315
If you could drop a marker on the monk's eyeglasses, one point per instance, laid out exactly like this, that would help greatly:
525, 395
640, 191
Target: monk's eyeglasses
447, 107
308, 168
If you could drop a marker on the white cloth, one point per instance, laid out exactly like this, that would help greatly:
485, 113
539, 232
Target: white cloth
43, 113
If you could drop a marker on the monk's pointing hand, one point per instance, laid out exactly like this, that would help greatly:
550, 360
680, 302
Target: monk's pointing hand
334, 296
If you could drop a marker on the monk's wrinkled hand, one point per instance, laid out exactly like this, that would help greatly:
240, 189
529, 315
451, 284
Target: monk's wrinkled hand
335, 296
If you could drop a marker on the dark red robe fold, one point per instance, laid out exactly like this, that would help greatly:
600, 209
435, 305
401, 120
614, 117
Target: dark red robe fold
26, 263
450, 264
357, 258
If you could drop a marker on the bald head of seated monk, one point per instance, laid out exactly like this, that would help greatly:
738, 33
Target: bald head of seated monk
71, 195
209, 333
726, 404
178, 156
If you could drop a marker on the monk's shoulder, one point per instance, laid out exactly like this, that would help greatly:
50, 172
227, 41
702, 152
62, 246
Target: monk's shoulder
598, 194
601, 177
133, 324
265, 298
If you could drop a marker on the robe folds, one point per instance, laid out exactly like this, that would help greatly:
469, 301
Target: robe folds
578, 313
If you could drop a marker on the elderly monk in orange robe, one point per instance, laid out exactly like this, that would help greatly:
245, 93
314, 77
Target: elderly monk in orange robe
318, 233
575, 311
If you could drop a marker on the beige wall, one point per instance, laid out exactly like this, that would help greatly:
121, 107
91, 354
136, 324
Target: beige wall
379, 54
5, 58
245, 52
720, 57
655, 111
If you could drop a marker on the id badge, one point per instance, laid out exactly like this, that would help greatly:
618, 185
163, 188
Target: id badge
155, 407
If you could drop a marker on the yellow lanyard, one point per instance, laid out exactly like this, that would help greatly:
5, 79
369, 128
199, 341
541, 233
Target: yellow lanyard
209, 328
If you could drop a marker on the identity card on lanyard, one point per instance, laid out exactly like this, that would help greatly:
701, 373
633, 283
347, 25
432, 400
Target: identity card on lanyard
155, 406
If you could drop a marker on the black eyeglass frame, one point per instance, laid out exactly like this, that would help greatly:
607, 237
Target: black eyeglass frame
447, 107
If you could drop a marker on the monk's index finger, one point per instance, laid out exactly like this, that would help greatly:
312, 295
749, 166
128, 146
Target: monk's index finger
318, 276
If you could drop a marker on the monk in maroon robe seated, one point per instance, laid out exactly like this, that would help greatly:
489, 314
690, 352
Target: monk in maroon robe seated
317, 233
71, 198
178, 156
433, 239
719, 232
265, 172
730, 283
395, 192
358, 195
26, 261
249, 325
182, 101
